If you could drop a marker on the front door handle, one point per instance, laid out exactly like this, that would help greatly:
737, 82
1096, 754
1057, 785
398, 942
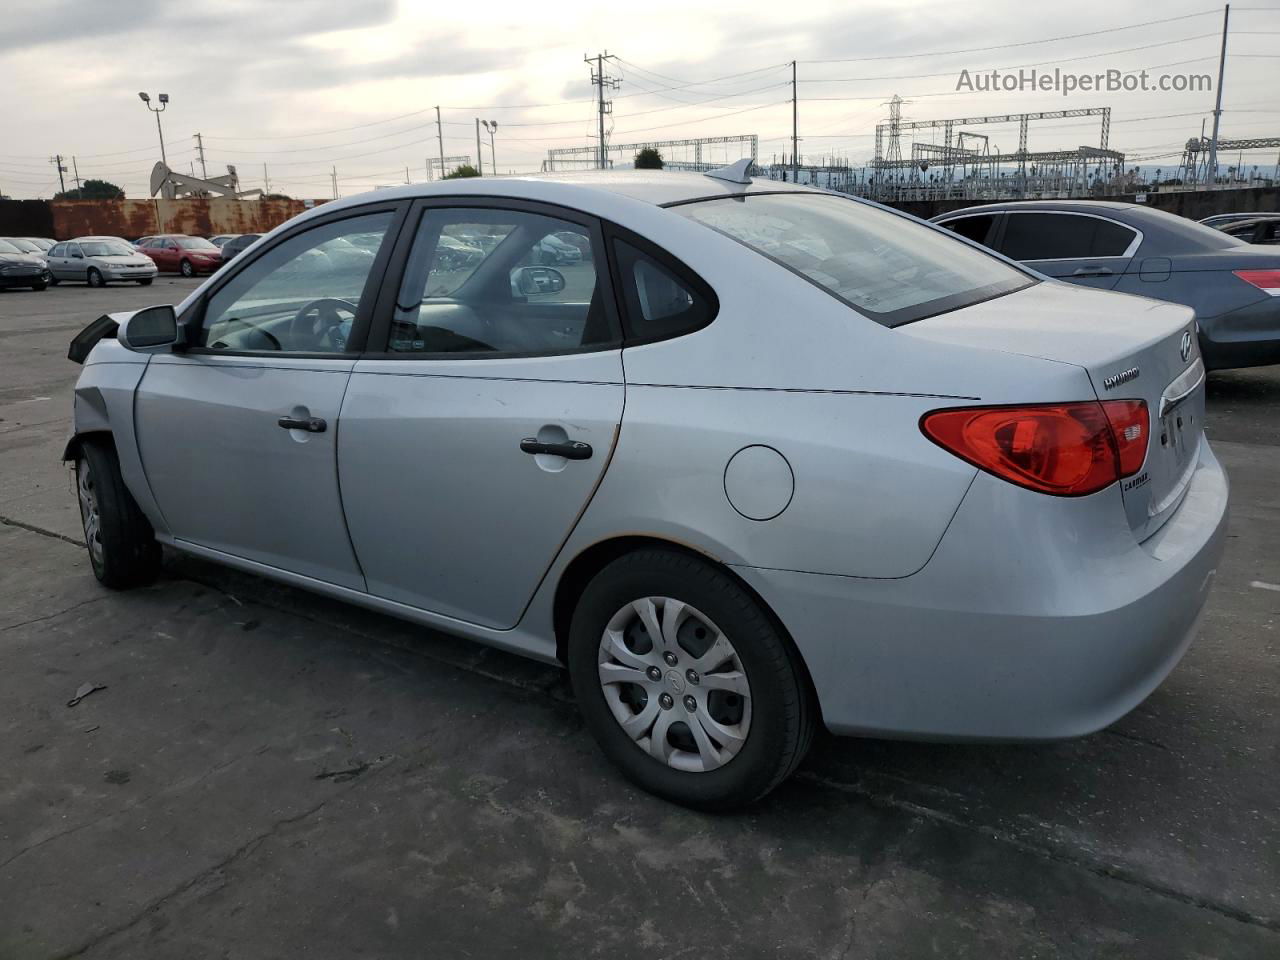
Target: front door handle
309, 424
570, 449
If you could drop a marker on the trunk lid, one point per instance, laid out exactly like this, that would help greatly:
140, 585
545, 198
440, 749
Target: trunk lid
1132, 349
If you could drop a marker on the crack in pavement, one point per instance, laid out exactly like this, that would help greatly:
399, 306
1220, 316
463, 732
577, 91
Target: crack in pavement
54, 616
32, 528
1044, 851
243, 850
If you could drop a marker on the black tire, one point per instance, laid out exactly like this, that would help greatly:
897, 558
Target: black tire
783, 708
39, 286
53, 281
145, 282
129, 555
94, 278
186, 269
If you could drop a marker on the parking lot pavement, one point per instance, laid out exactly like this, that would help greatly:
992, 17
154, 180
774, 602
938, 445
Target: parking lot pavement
267, 773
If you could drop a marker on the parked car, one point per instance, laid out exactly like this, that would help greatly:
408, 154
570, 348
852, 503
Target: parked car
19, 268
27, 246
179, 253
221, 239
44, 243
1218, 219
1262, 229
1233, 287
868, 474
555, 251
99, 261
236, 245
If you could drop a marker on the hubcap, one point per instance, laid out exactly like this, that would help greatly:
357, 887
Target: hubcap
88, 494
675, 684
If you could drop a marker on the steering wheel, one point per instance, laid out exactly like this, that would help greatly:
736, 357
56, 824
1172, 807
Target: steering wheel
315, 325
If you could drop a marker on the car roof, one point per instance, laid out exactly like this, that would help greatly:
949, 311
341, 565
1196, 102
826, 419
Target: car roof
78, 239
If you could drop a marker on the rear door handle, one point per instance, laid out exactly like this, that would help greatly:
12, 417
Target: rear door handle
570, 449
309, 424
1092, 272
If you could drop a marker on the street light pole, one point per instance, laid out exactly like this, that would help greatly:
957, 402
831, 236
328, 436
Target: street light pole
164, 102
492, 127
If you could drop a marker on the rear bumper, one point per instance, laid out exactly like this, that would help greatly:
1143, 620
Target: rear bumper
1037, 618
1248, 337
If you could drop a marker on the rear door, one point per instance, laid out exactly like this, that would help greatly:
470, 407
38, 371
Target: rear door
1081, 248
474, 437
238, 435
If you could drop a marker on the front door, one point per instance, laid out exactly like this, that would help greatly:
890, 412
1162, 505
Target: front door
472, 442
238, 436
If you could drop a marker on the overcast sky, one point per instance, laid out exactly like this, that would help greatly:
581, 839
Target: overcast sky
306, 85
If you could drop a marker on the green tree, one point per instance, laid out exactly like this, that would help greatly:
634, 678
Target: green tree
92, 190
466, 170
649, 159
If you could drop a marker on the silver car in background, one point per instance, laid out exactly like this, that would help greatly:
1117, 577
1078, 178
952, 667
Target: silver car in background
762, 458
100, 260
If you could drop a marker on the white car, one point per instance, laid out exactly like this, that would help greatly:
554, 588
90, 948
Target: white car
100, 260
866, 474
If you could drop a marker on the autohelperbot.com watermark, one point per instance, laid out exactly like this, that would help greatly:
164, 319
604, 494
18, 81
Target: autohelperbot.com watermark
1031, 80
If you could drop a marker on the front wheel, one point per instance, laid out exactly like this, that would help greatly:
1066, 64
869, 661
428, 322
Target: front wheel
122, 544
145, 282
186, 269
94, 277
686, 682
40, 286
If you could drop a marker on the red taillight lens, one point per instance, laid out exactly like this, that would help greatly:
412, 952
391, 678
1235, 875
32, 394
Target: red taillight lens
1265, 280
1066, 449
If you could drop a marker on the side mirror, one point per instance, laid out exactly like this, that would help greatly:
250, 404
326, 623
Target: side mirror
150, 327
528, 281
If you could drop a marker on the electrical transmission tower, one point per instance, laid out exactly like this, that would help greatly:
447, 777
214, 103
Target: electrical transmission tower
602, 81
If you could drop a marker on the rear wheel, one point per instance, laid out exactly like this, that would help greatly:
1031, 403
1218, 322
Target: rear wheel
94, 277
686, 683
122, 544
186, 269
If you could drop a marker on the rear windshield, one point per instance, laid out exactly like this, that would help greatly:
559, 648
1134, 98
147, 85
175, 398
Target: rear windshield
887, 267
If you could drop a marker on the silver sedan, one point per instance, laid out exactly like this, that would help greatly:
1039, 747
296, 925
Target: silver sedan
761, 458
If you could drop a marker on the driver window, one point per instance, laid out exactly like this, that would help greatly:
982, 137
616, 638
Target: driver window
299, 296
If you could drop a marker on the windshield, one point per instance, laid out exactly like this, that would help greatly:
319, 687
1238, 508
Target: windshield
195, 243
106, 248
26, 246
887, 267
7, 247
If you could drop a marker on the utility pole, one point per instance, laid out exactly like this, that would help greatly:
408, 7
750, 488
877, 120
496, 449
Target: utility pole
492, 128
75, 171
406, 175
440, 137
603, 107
56, 160
200, 149
1217, 110
479, 155
266, 181
334, 175
795, 131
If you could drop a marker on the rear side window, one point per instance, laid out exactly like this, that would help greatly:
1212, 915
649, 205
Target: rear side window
1063, 236
976, 228
658, 302
887, 267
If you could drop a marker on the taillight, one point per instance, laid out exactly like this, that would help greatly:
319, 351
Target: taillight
1267, 281
1066, 449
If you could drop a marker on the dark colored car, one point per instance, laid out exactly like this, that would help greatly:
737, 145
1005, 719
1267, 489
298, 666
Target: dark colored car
1234, 287
237, 245
178, 253
21, 269
1264, 229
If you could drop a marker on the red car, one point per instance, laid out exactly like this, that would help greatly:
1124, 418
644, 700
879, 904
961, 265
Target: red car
179, 253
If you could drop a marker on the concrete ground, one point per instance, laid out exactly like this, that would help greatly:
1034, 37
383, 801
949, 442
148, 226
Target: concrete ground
268, 774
